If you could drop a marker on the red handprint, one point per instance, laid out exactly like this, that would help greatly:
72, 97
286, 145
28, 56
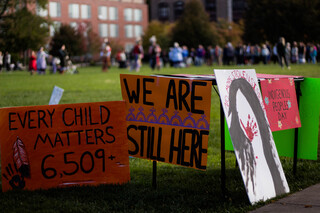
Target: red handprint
250, 129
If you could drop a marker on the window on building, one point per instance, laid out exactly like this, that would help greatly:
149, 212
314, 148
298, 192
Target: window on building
178, 8
44, 26
74, 25
43, 12
128, 31
137, 31
163, 11
84, 28
128, 47
114, 30
54, 27
113, 13
238, 7
54, 9
211, 8
103, 30
137, 14
102, 12
85, 11
74, 10
127, 14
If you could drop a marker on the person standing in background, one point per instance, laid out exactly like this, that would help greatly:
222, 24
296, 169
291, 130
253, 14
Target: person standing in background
106, 55
1, 61
288, 52
281, 49
41, 61
63, 56
218, 54
265, 54
137, 53
313, 53
294, 53
7, 61
33, 63
154, 54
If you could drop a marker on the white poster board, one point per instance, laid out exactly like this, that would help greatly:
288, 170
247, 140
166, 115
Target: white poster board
56, 95
251, 135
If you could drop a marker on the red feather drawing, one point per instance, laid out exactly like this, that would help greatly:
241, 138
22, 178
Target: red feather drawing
20, 157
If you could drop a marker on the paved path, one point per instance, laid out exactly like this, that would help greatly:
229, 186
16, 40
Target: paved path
307, 200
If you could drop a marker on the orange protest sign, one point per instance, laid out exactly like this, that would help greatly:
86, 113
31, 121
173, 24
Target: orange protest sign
61, 145
168, 119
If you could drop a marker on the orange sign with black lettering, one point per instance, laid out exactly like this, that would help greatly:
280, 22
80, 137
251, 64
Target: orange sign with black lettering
168, 119
62, 145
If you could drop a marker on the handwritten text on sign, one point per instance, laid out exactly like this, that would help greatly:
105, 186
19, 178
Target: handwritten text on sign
168, 119
280, 101
60, 145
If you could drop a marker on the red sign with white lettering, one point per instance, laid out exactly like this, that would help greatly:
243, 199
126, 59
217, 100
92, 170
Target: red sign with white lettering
280, 101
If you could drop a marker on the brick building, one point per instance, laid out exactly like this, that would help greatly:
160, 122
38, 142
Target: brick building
120, 20
171, 10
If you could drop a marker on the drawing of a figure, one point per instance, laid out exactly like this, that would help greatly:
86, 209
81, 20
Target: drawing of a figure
242, 134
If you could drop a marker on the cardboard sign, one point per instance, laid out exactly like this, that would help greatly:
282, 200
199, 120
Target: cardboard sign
61, 145
56, 95
168, 119
251, 135
280, 101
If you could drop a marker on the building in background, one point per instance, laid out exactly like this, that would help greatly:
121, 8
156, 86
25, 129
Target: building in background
120, 20
171, 10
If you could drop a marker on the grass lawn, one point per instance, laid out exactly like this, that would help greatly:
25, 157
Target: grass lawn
179, 189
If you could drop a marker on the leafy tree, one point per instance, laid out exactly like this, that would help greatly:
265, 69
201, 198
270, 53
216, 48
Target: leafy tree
194, 27
294, 19
161, 31
93, 42
228, 32
23, 30
73, 40
12, 4
3, 7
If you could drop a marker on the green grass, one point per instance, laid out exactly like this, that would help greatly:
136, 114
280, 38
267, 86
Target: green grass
179, 189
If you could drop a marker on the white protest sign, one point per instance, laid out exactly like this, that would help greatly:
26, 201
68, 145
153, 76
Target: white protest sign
251, 135
56, 95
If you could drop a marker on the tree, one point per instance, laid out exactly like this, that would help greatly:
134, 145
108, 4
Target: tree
193, 27
228, 31
3, 7
12, 4
93, 42
161, 31
71, 38
294, 19
23, 30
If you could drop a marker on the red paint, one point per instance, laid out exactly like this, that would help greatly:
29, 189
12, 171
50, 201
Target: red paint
250, 129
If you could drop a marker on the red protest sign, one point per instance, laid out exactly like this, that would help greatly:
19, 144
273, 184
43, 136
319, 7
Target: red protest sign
62, 145
280, 101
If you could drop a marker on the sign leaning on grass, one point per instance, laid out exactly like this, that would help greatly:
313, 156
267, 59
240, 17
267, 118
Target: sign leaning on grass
56, 95
167, 119
62, 145
280, 101
251, 135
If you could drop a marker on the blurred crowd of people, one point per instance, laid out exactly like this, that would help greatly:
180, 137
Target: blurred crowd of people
282, 53
39, 61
